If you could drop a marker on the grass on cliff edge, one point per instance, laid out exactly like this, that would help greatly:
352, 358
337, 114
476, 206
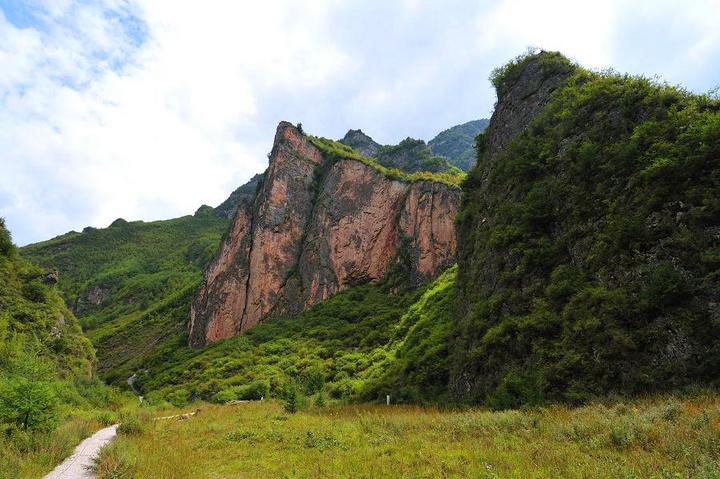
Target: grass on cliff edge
337, 151
655, 438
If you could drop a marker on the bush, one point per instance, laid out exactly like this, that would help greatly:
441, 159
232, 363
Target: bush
35, 291
133, 425
115, 462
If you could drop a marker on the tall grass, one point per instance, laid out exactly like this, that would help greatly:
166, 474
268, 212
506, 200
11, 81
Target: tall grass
653, 438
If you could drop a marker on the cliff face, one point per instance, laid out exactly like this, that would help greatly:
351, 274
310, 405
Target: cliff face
316, 227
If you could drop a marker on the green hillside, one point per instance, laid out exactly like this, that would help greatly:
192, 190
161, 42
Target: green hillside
589, 248
457, 143
131, 283
362, 343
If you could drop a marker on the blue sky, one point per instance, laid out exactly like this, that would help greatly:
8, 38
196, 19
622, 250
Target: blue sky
146, 109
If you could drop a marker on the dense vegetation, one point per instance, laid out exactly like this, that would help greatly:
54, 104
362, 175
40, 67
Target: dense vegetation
131, 283
659, 438
457, 144
362, 343
589, 250
338, 151
49, 398
412, 156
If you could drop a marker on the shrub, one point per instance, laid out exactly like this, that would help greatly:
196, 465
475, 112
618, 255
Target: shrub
132, 425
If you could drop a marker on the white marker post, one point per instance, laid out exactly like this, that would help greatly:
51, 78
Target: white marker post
388, 399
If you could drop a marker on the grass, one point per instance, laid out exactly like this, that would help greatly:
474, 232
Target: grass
654, 438
32, 454
338, 151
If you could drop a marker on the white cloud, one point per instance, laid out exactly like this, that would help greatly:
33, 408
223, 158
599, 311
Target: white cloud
158, 137
95, 124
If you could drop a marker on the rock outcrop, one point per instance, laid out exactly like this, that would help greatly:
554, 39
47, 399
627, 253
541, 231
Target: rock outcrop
317, 226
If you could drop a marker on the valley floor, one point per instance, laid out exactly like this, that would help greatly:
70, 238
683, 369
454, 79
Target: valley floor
658, 438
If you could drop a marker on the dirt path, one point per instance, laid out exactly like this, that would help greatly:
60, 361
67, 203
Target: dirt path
77, 466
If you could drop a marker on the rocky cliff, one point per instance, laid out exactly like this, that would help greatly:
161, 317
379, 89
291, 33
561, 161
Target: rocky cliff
319, 223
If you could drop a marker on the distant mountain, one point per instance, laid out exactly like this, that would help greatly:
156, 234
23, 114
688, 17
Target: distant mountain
412, 155
360, 142
457, 144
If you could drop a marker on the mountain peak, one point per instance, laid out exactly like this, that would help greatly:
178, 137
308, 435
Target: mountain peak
361, 142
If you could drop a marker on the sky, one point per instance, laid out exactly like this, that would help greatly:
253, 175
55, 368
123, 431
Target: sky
147, 109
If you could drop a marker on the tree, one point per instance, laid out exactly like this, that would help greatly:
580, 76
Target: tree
291, 400
320, 399
27, 396
6, 244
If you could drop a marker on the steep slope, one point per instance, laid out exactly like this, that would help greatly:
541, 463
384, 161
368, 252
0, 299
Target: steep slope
589, 239
325, 219
130, 284
34, 318
457, 143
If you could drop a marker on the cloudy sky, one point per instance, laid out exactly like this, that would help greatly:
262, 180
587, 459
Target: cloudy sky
147, 109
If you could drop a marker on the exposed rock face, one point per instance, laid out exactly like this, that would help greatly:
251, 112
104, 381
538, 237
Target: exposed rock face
51, 277
315, 228
96, 296
362, 143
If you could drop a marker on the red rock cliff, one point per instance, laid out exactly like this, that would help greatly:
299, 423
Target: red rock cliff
315, 228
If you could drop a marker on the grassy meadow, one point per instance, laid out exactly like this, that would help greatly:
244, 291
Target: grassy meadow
654, 438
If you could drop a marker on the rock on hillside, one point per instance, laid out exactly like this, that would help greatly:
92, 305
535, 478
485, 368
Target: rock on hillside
319, 225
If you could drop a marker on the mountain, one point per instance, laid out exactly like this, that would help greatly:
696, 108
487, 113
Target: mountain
457, 144
413, 156
325, 219
360, 142
588, 239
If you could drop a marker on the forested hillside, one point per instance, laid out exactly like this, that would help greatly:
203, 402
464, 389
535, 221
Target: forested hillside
589, 239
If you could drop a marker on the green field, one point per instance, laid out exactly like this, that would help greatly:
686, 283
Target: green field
659, 438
